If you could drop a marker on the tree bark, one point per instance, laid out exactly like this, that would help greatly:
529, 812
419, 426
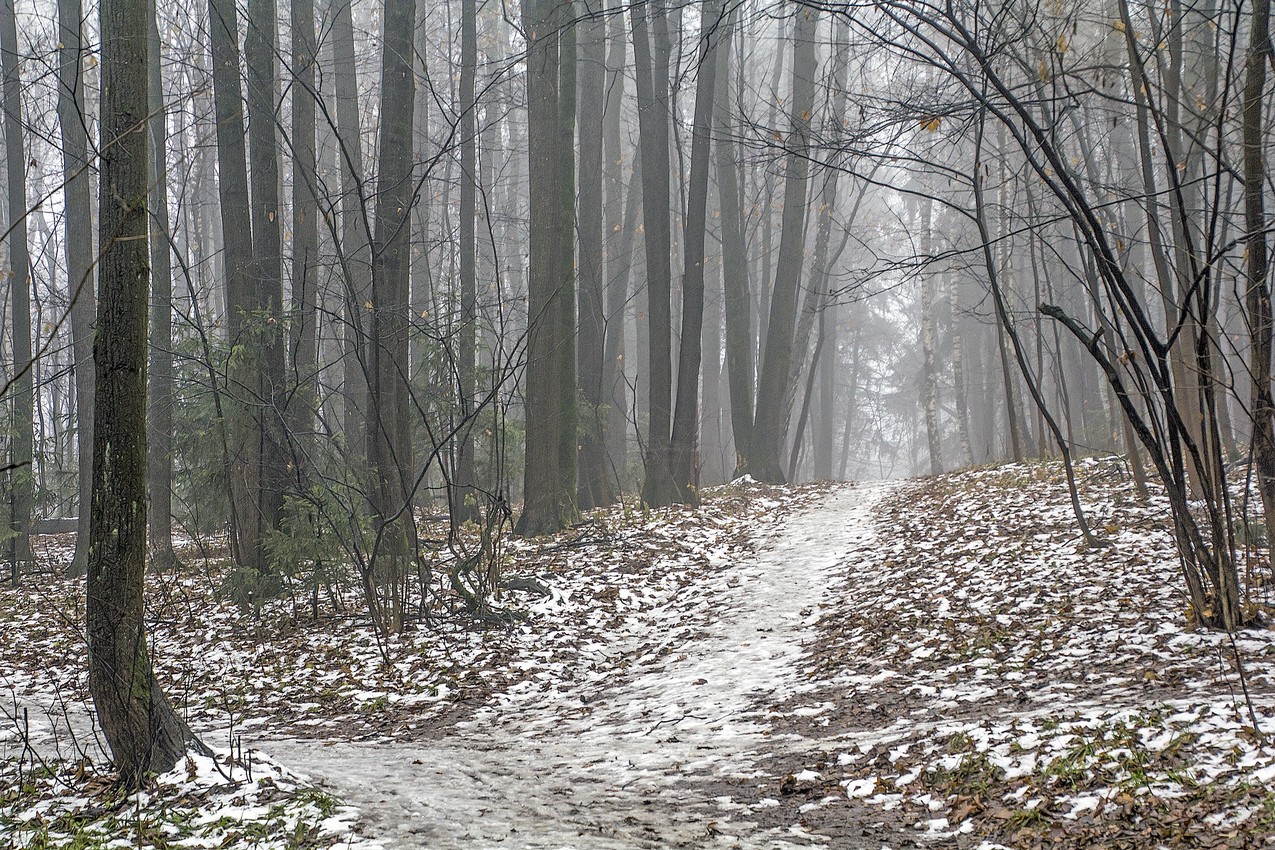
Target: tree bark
1258, 293
159, 459
594, 476
772, 414
77, 197
652, 72
683, 460
22, 409
145, 735
387, 426
737, 291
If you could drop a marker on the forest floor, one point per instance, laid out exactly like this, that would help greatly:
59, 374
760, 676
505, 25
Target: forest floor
932, 663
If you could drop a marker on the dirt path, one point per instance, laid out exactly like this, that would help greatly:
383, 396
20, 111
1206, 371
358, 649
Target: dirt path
648, 763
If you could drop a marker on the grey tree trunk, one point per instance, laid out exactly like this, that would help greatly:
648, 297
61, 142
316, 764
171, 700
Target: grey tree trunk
736, 290
772, 412
77, 196
683, 460
266, 338
462, 495
22, 391
388, 415
232, 184
355, 249
548, 489
304, 328
159, 465
594, 476
652, 71
145, 735
621, 229
1258, 294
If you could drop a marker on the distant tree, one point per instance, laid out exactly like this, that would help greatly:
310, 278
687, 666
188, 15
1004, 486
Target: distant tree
773, 389
143, 731
159, 479
77, 193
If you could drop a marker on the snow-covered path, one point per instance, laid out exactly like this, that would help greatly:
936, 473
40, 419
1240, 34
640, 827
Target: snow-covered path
634, 765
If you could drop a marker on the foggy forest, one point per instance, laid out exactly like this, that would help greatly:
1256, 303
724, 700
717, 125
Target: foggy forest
651, 424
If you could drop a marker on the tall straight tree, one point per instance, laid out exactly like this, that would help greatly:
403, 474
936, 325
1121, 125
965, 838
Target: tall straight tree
621, 229
236, 232
462, 494
1258, 295
388, 422
355, 247
143, 731
549, 476
737, 292
78, 199
772, 387
22, 407
159, 459
594, 476
265, 340
652, 72
302, 396
682, 449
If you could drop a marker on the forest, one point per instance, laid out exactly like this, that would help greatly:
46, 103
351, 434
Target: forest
647, 424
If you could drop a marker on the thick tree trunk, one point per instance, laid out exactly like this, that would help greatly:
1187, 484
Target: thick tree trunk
145, 735
22, 392
548, 475
772, 386
77, 195
387, 426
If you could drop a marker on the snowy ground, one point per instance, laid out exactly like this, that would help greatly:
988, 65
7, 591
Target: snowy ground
622, 761
935, 663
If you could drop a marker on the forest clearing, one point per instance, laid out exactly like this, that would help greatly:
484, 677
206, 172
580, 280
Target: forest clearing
930, 663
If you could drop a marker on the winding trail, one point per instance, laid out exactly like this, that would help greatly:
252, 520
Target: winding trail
651, 761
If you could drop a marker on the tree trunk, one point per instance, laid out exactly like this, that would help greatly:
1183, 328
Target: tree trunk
303, 389
652, 71
683, 460
548, 489
145, 735
622, 225
159, 466
1258, 294
266, 342
77, 195
355, 251
594, 477
462, 495
772, 414
737, 292
232, 184
22, 410
387, 426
